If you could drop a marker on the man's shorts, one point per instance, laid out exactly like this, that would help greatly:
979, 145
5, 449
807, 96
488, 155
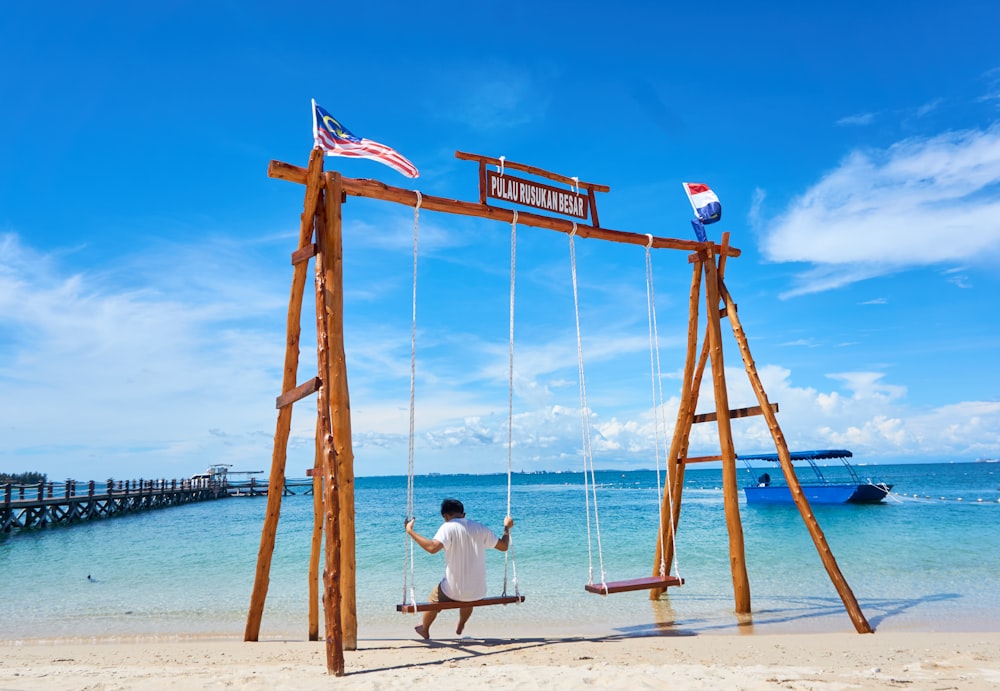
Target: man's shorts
437, 595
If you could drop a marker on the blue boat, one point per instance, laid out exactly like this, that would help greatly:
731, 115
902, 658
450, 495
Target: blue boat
848, 490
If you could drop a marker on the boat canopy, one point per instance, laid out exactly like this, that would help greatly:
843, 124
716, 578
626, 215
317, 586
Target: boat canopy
799, 455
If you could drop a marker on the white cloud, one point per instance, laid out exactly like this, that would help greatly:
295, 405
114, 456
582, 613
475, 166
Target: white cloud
494, 95
858, 119
393, 232
756, 204
958, 277
992, 77
922, 201
133, 380
864, 412
180, 368
929, 107
869, 386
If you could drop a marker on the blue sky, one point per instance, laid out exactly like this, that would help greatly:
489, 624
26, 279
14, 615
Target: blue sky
144, 252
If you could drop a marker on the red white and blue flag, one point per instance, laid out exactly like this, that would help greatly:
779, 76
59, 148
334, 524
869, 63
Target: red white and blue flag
704, 202
337, 140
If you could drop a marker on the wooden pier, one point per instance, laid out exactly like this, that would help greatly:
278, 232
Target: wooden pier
255, 488
55, 503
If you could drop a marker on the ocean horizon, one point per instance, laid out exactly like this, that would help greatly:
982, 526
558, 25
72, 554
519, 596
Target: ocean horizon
926, 559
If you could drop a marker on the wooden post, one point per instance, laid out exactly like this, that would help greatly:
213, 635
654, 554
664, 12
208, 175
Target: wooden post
840, 583
317, 534
283, 426
331, 501
692, 384
340, 405
730, 491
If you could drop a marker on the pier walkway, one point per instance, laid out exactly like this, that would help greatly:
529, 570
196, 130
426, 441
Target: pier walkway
54, 503
50, 503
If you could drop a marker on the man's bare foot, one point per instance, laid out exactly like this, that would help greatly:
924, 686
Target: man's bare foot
422, 632
460, 629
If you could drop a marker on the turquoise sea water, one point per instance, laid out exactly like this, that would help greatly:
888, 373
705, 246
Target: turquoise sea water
925, 562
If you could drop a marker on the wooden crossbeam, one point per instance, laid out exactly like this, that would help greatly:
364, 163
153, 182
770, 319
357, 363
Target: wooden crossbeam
733, 414
701, 459
304, 254
532, 170
373, 189
298, 393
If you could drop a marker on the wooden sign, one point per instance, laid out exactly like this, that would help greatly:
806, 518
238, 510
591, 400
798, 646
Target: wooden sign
541, 196
576, 199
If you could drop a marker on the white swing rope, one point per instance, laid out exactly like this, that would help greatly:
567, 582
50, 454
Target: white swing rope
659, 419
509, 554
408, 562
589, 484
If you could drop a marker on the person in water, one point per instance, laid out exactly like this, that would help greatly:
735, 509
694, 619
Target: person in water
464, 542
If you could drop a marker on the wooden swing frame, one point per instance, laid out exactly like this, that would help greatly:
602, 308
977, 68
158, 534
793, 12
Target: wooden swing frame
333, 473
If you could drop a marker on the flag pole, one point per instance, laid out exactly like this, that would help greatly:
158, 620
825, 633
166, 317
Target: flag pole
686, 194
314, 122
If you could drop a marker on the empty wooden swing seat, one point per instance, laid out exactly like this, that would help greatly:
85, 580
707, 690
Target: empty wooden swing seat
647, 583
414, 607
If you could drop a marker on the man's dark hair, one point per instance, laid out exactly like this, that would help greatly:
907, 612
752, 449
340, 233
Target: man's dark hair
450, 507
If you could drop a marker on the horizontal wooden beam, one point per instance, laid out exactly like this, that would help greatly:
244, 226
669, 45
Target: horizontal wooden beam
733, 414
304, 254
374, 189
298, 393
566, 180
701, 459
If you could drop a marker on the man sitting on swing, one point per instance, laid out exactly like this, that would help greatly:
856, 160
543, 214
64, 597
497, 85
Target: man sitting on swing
464, 543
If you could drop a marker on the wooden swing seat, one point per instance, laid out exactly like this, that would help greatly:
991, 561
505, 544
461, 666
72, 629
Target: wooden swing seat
647, 583
454, 604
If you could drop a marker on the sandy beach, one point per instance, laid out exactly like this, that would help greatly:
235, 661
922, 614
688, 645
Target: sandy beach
755, 661
925, 573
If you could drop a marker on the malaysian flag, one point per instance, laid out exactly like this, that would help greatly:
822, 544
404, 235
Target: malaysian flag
337, 140
704, 202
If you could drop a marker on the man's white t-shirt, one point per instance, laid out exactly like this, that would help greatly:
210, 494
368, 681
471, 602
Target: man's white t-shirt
465, 544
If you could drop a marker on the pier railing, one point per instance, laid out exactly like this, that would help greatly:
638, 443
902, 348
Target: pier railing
258, 488
46, 503
73, 488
